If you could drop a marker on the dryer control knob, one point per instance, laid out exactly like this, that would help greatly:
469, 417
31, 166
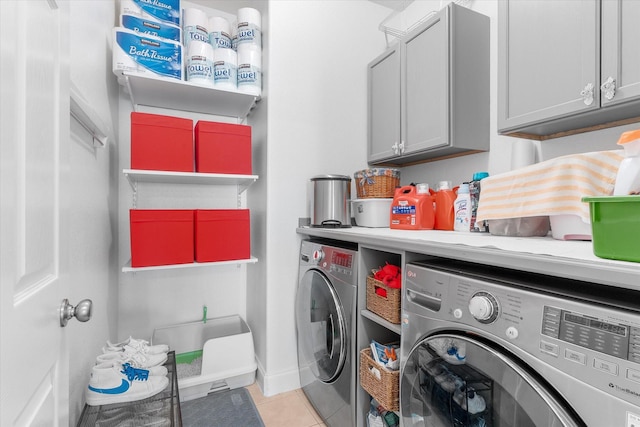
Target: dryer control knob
317, 255
483, 307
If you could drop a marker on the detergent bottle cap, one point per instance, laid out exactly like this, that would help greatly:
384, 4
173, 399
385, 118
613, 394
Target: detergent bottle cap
463, 188
444, 185
630, 141
480, 175
422, 188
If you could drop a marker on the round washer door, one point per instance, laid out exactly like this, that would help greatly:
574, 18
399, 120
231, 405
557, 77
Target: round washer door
457, 380
322, 335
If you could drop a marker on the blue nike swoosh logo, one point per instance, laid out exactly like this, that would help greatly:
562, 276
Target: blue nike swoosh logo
122, 388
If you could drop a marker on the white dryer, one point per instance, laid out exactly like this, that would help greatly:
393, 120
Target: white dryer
489, 347
326, 329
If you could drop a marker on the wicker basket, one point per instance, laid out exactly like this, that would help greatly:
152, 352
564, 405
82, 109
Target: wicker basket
387, 308
377, 183
383, 389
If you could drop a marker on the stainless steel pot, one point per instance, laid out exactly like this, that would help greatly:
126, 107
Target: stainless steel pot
331, 203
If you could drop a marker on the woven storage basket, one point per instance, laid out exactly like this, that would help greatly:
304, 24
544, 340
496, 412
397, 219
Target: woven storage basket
387, 308
377, 182
385, 389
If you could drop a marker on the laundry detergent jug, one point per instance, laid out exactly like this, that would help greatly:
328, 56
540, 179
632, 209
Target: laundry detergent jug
412, 208
445, 198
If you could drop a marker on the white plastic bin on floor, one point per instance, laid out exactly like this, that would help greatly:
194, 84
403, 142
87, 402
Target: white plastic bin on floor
225, 345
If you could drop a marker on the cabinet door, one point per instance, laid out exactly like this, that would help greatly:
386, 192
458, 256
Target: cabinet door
620, 50
425, 85
548, 54
384, 106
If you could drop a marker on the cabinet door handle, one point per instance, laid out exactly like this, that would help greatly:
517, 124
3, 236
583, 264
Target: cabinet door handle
608, 88
394, 147
401, 147
587, 94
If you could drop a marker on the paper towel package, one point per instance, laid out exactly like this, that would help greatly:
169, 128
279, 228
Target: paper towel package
152, 28
157, 10
249, 27
199, 61
195, 26
144, 54
249, 69
219, 33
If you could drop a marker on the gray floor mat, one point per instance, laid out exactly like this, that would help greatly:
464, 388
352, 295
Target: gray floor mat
230, 408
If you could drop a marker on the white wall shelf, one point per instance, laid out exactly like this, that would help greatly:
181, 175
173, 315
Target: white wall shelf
128, 269
166, 177
186, 96
381, 321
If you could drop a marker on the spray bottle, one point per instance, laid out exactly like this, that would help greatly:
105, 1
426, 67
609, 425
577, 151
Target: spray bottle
628, 178
462, 209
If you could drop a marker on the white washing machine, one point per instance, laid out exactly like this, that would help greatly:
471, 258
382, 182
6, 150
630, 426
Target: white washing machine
490, 347
326, 329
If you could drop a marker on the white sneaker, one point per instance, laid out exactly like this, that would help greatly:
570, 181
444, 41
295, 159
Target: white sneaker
112, 382
139, 345
137, 360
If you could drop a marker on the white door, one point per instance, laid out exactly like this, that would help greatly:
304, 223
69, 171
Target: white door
34, 125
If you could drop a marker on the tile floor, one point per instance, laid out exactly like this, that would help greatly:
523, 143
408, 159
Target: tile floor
291, 409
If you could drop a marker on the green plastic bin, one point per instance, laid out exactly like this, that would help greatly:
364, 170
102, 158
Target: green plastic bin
615, 225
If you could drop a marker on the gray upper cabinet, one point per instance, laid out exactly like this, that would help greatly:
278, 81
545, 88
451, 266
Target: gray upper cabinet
620, 52
384, 105
567, 66
429, 96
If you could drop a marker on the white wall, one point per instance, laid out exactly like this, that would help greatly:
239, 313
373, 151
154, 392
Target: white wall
95, 200
318, 55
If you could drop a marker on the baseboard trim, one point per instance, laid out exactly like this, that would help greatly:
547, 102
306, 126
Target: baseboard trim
272, 384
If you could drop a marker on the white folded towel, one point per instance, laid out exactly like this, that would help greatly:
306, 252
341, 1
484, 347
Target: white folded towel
552, 187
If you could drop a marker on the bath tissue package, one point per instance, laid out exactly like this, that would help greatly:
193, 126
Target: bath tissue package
144, 54
152, 28
157, 10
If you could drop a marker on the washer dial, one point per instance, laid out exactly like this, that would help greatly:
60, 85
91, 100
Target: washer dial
484, 307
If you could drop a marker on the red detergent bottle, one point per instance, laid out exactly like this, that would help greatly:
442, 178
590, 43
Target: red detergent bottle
445, 198
412, 208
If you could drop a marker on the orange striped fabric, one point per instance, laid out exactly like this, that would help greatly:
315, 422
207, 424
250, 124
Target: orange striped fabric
553, 187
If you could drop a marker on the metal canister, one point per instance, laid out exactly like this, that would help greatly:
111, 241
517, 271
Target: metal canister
331, 205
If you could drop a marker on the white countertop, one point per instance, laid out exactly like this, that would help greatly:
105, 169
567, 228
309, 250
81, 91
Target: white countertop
545, 255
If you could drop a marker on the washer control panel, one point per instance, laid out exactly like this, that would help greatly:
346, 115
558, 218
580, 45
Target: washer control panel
615, 339
336, 262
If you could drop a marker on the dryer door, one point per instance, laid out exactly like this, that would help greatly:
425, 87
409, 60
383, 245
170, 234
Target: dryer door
322, 333
456, 380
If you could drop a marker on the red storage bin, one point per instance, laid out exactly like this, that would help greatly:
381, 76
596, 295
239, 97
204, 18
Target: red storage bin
161, 237
161, 142
222, 234
223, 148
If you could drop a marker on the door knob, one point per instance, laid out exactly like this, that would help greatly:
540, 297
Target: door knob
82, 311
